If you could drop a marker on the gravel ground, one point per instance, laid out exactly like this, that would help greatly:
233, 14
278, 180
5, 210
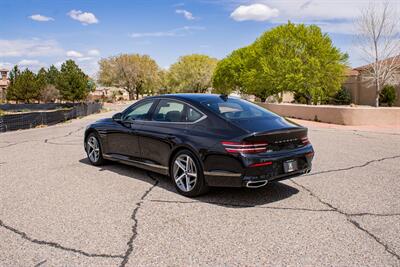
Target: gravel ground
57, 210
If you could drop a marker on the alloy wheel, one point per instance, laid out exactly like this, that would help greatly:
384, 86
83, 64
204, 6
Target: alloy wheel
185, 173
93, 149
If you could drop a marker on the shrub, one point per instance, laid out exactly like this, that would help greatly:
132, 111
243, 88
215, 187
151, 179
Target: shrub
299, 98
388, 95
342, 97
49, 94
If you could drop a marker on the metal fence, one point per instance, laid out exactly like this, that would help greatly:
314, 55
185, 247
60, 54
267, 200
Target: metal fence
12, 122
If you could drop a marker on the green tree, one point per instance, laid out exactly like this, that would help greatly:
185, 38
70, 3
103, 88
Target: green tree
11, 90
25, 87
138, 74
41, 82
229, 72
72, 82
52, 75
296, 58
302, 59
192, 73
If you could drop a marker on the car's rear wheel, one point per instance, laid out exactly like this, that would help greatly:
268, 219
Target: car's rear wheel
187, 174
93, 150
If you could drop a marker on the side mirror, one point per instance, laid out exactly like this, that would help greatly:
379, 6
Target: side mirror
117, 116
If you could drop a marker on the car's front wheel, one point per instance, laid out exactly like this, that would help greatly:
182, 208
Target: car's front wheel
93, 150
187, 174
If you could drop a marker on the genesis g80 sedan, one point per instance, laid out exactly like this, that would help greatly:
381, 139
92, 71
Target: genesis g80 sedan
202, 141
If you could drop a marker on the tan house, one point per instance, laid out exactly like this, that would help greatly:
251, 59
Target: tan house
362, 90
109, 94
3, 83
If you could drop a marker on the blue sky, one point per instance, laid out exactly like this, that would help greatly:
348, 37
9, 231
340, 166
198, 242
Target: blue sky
35, 33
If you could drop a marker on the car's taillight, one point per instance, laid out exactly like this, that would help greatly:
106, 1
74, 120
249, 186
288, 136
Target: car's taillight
305, 140
245, 147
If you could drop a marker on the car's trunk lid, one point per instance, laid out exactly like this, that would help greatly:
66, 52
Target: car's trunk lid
286, 138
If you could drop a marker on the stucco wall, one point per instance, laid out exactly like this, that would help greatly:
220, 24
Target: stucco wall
363, 92
338, 114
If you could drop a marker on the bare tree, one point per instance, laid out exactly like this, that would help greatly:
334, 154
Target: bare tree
136, 73
378, 40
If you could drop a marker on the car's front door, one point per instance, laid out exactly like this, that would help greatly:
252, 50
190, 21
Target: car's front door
123, 141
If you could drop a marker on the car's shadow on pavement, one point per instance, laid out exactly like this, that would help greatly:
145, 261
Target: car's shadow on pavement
232, 197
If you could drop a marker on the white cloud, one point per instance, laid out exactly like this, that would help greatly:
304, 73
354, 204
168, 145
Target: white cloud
58, 64
94, 52
85, 59
41, 18
257, 12
30, 63
183, 31
6, 65
188, 15
73, 53
29, 48
84, 17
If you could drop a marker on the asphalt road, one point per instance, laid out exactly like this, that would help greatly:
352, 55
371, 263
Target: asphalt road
57, 210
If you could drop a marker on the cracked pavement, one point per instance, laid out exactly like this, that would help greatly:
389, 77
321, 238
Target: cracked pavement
57, 210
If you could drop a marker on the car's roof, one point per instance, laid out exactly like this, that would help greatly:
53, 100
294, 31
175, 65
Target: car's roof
192, 97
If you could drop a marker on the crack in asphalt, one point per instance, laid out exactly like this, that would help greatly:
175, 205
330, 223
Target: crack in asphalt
56, 245
63, 136
129, 251
63, 144
45, 140
236, 205
374, 214
18, 143
350, 220
40, 263
354, 166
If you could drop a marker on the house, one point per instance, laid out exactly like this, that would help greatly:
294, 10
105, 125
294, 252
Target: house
4, 82
109, 94
361, 88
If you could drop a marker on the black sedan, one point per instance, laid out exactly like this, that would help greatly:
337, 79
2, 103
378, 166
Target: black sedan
202, 140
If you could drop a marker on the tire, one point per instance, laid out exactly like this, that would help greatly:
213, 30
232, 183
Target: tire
93, 150
183, 175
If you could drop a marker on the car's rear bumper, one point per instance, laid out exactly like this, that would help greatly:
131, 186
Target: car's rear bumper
258, 175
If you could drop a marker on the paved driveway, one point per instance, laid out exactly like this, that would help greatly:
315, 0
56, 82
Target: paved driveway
57, 210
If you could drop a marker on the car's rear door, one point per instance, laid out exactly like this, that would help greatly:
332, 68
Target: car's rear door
167, 128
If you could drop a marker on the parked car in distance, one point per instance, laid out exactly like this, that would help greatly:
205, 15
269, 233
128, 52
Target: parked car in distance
201, 141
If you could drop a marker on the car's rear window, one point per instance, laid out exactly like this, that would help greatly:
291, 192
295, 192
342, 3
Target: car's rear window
236, 109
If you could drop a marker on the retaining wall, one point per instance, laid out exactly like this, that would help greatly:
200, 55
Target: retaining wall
338, 114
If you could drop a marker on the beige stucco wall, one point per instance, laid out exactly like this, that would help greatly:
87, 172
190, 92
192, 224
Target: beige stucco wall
338, 114
363, 92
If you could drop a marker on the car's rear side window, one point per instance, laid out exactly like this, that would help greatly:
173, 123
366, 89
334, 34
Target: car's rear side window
192, 115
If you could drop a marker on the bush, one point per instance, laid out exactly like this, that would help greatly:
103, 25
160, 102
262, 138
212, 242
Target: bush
388, 95
299, 98
49, 94
342, 97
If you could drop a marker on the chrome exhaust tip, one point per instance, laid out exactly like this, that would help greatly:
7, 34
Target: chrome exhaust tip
256, 184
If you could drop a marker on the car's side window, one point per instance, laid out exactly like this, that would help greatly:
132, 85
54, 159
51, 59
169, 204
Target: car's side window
192, 115
169, 111
139, 112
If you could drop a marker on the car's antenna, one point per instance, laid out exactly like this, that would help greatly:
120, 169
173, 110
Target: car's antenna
223, 96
